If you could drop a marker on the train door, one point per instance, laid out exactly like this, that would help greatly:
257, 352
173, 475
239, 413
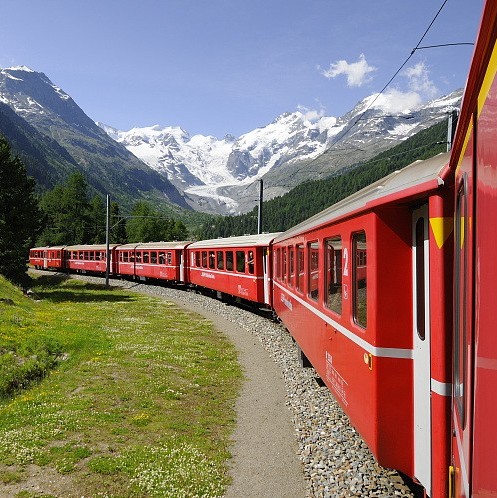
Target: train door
265, 266
181, 266
462, 401
421, 347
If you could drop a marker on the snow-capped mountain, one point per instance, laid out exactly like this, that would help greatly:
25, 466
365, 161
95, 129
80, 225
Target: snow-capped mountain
67, 140
220, 175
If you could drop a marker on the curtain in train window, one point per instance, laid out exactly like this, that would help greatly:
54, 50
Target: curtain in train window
334, 274
359, 270
313, 283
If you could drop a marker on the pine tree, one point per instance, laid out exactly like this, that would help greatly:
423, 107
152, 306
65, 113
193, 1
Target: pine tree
19, 215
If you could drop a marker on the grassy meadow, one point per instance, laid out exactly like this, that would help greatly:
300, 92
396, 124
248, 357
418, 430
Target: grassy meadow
107, 393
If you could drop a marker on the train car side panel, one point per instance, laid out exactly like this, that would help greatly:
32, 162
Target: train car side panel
484, 482
333, 315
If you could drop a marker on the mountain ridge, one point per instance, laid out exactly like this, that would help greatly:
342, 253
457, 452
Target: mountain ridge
53, 114
221, 175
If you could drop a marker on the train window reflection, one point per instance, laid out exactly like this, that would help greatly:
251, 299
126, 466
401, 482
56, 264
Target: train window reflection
240, 261
300, 268
313, 282
220, 260
229, 260
250, 262
333, 299
360, 278
291, 264
462, 300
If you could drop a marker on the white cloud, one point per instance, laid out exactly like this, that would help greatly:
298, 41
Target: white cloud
311, 114
395, 101
356, 72
419, 81
419, 89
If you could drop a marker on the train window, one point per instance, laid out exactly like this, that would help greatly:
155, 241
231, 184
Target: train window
220, 260
212, 260
240, 261
284, 264
146, 257
229, 260
359, 270
300, 268
169, 258
138, 257
333, 299
250, 262
87, 255
313, 282
278, 263
92, 255
461, 300
153, 257
125, 256
291, 265
204, 259
131, 257
420, 277
197, 259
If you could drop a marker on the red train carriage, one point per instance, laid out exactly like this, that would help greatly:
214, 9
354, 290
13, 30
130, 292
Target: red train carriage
153, 260
364, 290
47, 258
235, 266
90, 258
473, 469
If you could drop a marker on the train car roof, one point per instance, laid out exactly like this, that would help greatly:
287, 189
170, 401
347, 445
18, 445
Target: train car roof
90, 247
263, 239
46, 248
156, 245
414, 179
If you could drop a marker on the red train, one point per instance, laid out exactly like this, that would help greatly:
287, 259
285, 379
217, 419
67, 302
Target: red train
390, 295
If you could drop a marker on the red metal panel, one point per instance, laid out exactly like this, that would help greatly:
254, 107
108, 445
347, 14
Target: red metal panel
484, 483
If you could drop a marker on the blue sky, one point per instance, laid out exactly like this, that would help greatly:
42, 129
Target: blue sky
229, 66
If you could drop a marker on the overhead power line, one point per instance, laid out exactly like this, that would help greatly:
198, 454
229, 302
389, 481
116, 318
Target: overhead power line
417, 47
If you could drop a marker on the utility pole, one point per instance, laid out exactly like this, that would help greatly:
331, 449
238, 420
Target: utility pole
259, 217
451, 128
107, 242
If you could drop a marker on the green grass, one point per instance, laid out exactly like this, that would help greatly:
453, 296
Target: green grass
112, 393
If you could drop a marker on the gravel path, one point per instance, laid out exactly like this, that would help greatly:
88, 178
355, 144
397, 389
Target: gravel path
321, 455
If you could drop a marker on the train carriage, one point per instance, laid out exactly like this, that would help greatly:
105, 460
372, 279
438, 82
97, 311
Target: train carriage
359, 286
47, 258
90, 258
153, 260
474, 160
234, 266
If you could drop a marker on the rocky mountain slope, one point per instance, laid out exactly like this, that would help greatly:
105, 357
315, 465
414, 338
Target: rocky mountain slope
53, 132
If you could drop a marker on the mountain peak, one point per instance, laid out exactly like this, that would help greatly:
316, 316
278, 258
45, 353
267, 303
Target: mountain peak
20, 68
